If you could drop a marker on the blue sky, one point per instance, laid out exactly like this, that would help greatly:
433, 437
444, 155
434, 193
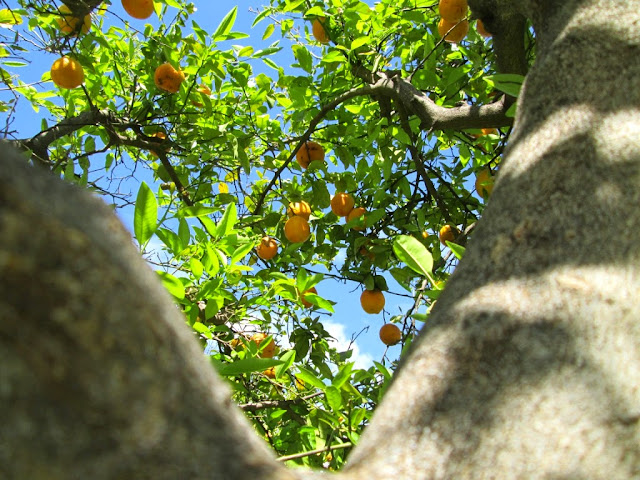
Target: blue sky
349, 319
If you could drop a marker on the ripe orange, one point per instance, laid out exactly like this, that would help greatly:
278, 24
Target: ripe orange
448, 233
309, 152
162, 136
357, 213
67, 23
139, 9
267, 248
457, 34
270, 372
482, 30
390, 334
301, 209
365, 252
67, 72
372, 301
304, 302
269, 349
484, 182
485, 131
453, 10
318, 30
201, 90
168, 78
342, 204
297, 229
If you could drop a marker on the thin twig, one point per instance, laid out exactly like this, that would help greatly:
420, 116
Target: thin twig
314, 452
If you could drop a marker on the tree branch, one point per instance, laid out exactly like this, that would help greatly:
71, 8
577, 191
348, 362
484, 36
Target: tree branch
254, 407
432, 115
356, 92
314, 452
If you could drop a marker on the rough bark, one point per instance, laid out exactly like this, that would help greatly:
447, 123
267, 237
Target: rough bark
529, 366
100, 377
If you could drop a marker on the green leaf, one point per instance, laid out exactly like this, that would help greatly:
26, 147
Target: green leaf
303, 56
247, 365
145, 216
9, 17
202, 329
316, 11
410, 251
309, 377
421, 317
334, 398
241, 252
320, 302
458, 250
197, 269
225, 25
172, 284
403, 276
228, 220
380, 283
195, 211
358, 42
170, 239
287, 360
268, 31
509, 83
383, 370
343, 375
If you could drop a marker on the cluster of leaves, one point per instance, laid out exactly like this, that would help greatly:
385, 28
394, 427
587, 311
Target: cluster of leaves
225, 175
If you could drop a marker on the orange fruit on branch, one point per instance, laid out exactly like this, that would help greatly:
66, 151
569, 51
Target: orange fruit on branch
297, 230
480, 28
484, 182
365, 252
270, 373
390, 334
301, 209
302, 297
318, 30
267, 248
309, 152
66, 72
162, 136
456, 35
485, 131
68, 23
139, 9
448, 233
167, 78
357, 213
269, 350
372, 301
202, 90
342, 204
453, 10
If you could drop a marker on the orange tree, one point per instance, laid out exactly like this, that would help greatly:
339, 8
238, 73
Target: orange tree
381, 107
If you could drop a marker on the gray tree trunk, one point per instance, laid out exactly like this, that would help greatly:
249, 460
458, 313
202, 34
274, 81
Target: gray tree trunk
529, 366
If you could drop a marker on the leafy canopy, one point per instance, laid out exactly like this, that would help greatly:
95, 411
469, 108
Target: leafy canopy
211, 170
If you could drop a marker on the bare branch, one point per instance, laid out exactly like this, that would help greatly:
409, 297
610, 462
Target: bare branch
314, 452
254, 407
